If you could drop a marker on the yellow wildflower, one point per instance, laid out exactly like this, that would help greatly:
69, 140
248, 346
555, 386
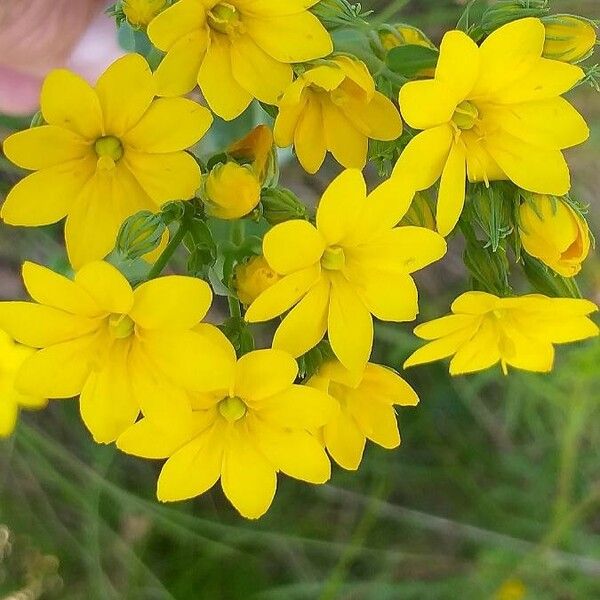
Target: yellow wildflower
366, 409
569, 38
12, 356
484, 330
139, 13
334, 107
352, 265
231, 191
235, 50
106, 153
256, 149
252, 424
511, 589
491, 113
253, 278
553, 232
122, 350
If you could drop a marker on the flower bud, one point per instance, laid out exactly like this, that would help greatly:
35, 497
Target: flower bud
141, 234
253, 278
420, 213
569, 38
392, 36
552, 231
139, 13
258, 149
231, 191
488, 268
280, 205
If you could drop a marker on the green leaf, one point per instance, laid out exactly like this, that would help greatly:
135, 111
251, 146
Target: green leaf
411, 60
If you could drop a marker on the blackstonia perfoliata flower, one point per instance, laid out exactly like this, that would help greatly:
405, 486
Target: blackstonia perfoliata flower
353, 264
122, 350
12, 356
491, 113
554, 232
235, 50
484, 330
106, 153
366, 409
334, 106
251, 425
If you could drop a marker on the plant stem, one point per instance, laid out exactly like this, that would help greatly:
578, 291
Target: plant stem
168, 252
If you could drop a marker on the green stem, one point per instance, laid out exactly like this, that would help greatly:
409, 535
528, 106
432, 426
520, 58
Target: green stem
165, 257
236, 235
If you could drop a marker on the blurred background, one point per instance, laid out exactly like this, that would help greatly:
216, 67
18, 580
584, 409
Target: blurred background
494, 493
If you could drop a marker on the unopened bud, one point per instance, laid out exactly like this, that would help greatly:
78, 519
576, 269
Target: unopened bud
140, 235
489, 269
258, 150
569, 38
392, 36
139, 13
253, 278
280, 205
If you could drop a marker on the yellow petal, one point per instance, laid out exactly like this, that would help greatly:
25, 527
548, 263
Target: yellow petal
9, 411
126, 90
427, 104
540, 170
268, 8
39, 326
292, 246
287, 120
108, 406
169, 125
459, 64
47, 196
264, 373
193, 469
298, 407
309, 139
281, 296
295, 453
453, 188
341, 205
443, 326
59, 371
479, 353
177, 73
68, 101
218, 338
344, 440
524, 352
377, 422
250, 64
290, 38
108, 288
382, 118
386, 385
43, 147
475, 303
248, 479
442, 348
347, 144
165, 177
225, 96
421, 163
50, 288
350, 325
178, 20
174, 302
305, 325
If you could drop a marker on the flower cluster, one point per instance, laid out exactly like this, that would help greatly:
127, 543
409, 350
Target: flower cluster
132, 165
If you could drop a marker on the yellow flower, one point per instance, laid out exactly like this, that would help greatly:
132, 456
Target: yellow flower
352, 265
366, 409
251, 425
106, 153
491, 113
253, 278
485, 330
404, 35
511, 589
568, 38
139, 13
553, 232
12, 356
122, 350
231, 191
333, 106
257, 149
235, 50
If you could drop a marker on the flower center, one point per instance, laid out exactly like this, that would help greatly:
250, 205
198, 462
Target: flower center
120, 326
224, 18
109, 147
466, 115
333, 259
232, 409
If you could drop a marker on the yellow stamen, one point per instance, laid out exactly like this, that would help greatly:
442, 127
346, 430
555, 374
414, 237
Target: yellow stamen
466, 115
232, 409
333, 259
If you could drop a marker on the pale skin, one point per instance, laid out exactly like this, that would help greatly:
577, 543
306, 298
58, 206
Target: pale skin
37, 36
